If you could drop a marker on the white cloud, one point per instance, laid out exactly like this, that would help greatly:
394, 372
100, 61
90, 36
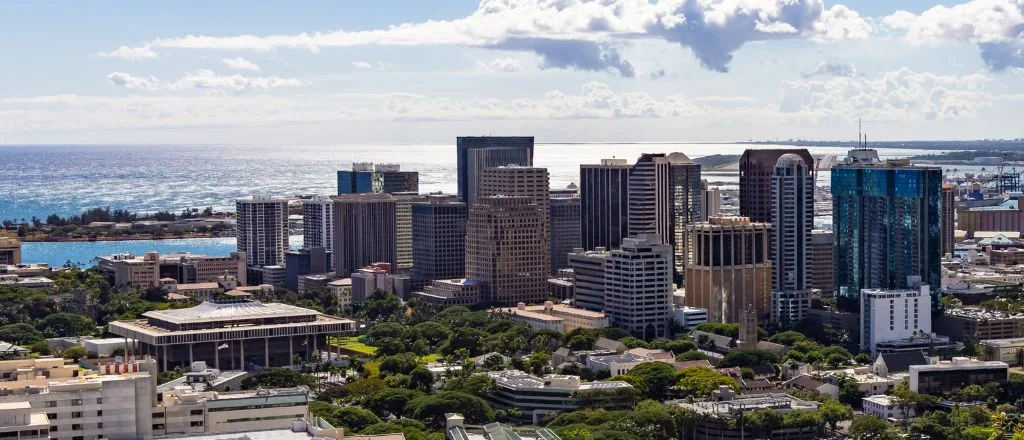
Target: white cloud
585, 34
362, 64
202, 79
130, 53
901, 95
832, 68
996, 26
507, 65
240, 63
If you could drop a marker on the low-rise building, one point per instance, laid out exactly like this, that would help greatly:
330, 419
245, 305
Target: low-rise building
446, 293
342, 289
19, 421
977, 324
10, 251
128, 271
538, 398
893, 363
187, 411
950, 376
719, 414
34, 283
562, 318
867, 381
806, 382
1010, 350
689, 317
622, 363
881, 405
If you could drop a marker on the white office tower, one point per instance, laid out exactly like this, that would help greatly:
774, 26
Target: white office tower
318, 224
638, 286
712, 202
792, 222
261, 228
894, 315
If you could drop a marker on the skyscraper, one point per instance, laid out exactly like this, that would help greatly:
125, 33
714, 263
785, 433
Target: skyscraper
403, 229
261, 230
588, 278
604, 204
438, 239
638, 287
506, 251
384, 178
364, 231
823, 256
477, 153
887, 226
948, 218
712, 203
756, 170
729, 268
665, 193
792, 222
530, 182
565, 225
318, 224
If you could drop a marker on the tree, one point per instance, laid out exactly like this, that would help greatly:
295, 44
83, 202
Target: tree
477, 385
832, 412
386, 330
763, 421
20, 334
351, 418
390, 401
381, 305
402, 363
691, 356
494, 362
538, 361
421, 379
653, 379
748, 357
66, 324
701, 381
871, 428
431, 408
788, 338
633, 342
849, 392
433, 332
718, 328
909, 402
469, 339
74, 353
277, 378
971, 393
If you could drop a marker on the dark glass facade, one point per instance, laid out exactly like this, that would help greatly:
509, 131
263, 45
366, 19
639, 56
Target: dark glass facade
604, 205
756, 170
387, 182
477, 153
887, 225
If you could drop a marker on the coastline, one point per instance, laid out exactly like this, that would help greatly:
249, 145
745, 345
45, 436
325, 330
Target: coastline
134, 237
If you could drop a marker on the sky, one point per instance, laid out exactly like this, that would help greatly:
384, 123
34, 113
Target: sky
363, 72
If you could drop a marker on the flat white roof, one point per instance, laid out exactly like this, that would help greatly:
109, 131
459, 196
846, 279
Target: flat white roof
228, 310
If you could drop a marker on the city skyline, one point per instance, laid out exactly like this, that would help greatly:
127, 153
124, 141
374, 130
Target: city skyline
582, 71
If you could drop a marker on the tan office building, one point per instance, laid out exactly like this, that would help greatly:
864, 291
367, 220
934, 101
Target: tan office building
10, 251
132, 272
506, 251
729, 267
522, 181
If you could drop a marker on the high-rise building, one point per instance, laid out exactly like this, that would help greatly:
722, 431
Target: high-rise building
892, 315
756, 170
318, 224
530, 182
380, 178
948, 218
506, 251
665, 193
479, 152
887, 226
438, 239
638, 287
403, 229
565, 225
792, 222
305, 261
364, 231
729, 268
712, 203
261, 229
822, 262
10, 251
604, 204
588, 278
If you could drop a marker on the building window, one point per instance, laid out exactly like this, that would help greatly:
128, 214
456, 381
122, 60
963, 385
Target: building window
196, 412
51, 416
99, 413
99, 425
99, 400
76, 415
51, 404
199, 423
76, 402
76, 427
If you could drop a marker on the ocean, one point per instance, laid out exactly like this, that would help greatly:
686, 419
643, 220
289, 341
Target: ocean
67, 179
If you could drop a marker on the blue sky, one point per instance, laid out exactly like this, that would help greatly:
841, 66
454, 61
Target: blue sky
359, 71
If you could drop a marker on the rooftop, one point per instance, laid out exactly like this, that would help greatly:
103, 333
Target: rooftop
980, 313
750, 402
228, 310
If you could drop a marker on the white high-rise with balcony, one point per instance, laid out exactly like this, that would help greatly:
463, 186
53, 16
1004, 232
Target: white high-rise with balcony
261, 229
638, 286
792, 222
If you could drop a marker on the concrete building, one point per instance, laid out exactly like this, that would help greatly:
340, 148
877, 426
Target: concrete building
19, 421
403, 229
519, 181
380, 178
977, 324
261, 230
887, 224
948, 221
318, 224
712, 203
538, 398
950, 376
1010, 350
892, 315
364, 231
185, 411
689, 317
588, 277
665, 194
506, 250
188, 268
305, 261
454, 292
561, 287
438, 239
729, 268
989, 215
565, 225
617, 364
478, 153
236, 334
128, 271
10, 251
718, 415
561, 318
792, 208
604, 204
756, 170
884, 406
638, 287
822, 262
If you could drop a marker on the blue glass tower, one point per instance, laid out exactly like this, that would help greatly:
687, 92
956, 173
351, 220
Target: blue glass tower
887, 225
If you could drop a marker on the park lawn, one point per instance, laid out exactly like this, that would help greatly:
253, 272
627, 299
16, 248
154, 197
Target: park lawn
430, 358
352, 343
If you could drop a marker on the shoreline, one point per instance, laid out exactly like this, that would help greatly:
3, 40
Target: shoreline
139, 237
